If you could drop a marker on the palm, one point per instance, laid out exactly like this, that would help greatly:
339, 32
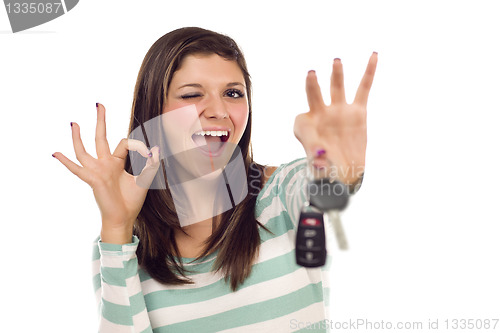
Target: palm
119, 194
339, 128
116, 191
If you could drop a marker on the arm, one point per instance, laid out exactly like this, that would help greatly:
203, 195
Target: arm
119, 196
118, 288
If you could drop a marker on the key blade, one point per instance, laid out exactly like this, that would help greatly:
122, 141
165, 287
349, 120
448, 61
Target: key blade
336, 223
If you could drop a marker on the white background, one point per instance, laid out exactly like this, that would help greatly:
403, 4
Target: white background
424, 231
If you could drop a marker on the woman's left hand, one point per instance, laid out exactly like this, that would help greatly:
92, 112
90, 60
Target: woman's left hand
336, 132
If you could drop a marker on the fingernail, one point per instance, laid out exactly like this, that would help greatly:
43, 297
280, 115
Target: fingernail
150, 154
96, 105
71, 123
320, 152
336, 59
54, 155
311, 71
375, 52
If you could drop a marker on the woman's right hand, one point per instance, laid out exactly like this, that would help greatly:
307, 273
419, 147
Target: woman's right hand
117, 192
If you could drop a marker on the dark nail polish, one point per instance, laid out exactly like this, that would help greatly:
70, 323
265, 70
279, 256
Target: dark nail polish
53, 155
150, 154
71, 123
320, 152
96, 105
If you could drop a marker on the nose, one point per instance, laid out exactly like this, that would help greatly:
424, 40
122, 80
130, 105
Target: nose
215, 108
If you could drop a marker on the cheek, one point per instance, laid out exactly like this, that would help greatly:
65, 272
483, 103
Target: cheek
239, 117
169, 106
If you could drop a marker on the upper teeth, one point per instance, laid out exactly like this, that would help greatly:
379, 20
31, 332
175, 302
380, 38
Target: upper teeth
212, 133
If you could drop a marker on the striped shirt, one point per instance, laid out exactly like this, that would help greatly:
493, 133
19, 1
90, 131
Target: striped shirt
278, 296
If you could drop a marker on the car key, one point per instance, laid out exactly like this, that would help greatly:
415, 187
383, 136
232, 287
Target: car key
336, 223
323, 195
330, 197
310, 243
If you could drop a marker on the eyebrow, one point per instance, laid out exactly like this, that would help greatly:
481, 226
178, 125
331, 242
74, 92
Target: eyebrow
197, 85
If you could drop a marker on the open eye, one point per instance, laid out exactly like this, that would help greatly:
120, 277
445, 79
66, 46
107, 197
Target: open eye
235, 93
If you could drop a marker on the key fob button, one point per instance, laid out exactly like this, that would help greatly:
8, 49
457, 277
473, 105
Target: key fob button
310, 233
311, 222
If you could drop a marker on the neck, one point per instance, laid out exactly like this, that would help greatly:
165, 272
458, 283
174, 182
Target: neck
191, 242
200, 199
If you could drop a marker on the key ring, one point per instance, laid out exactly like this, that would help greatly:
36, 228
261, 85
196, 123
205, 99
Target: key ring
321, 167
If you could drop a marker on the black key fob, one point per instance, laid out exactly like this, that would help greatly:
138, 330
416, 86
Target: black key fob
310, 245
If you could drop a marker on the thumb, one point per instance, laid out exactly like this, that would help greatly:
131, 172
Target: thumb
145, 178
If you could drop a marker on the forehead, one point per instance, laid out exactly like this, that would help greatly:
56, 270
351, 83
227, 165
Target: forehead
211, 68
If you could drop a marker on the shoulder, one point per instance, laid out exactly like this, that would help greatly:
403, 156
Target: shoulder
281, 175
283, 183
268, 171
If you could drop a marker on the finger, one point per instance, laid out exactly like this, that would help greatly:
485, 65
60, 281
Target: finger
305, 133
366, 81
148, 173
337, 91
125, 145
101, 143
72, 166
313, 91
81, 154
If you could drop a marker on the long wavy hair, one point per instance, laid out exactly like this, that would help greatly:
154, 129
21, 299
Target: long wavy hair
236, 237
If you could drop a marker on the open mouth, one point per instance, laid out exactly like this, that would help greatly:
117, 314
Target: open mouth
210, 142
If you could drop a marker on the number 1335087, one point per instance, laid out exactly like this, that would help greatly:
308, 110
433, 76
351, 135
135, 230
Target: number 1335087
472, 324
33, 7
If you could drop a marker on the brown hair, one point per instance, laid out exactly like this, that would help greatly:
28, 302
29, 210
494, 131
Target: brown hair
237, 236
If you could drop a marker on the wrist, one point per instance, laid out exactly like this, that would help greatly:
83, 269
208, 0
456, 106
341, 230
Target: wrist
116, 235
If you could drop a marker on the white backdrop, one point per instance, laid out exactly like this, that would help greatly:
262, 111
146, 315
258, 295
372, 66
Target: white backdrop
424, 230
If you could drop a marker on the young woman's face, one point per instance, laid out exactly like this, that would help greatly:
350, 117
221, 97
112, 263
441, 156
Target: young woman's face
204, 117
215, 88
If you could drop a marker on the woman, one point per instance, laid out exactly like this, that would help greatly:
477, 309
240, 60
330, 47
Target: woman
235, 269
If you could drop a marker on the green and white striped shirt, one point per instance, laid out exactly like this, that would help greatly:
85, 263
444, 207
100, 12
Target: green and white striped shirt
278, 296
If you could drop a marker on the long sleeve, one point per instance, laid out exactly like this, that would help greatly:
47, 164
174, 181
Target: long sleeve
118, 289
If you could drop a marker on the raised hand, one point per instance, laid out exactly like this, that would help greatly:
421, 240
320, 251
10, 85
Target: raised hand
117, 192
339, 129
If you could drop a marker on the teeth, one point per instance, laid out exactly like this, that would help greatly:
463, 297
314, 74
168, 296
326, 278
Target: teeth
212, 133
